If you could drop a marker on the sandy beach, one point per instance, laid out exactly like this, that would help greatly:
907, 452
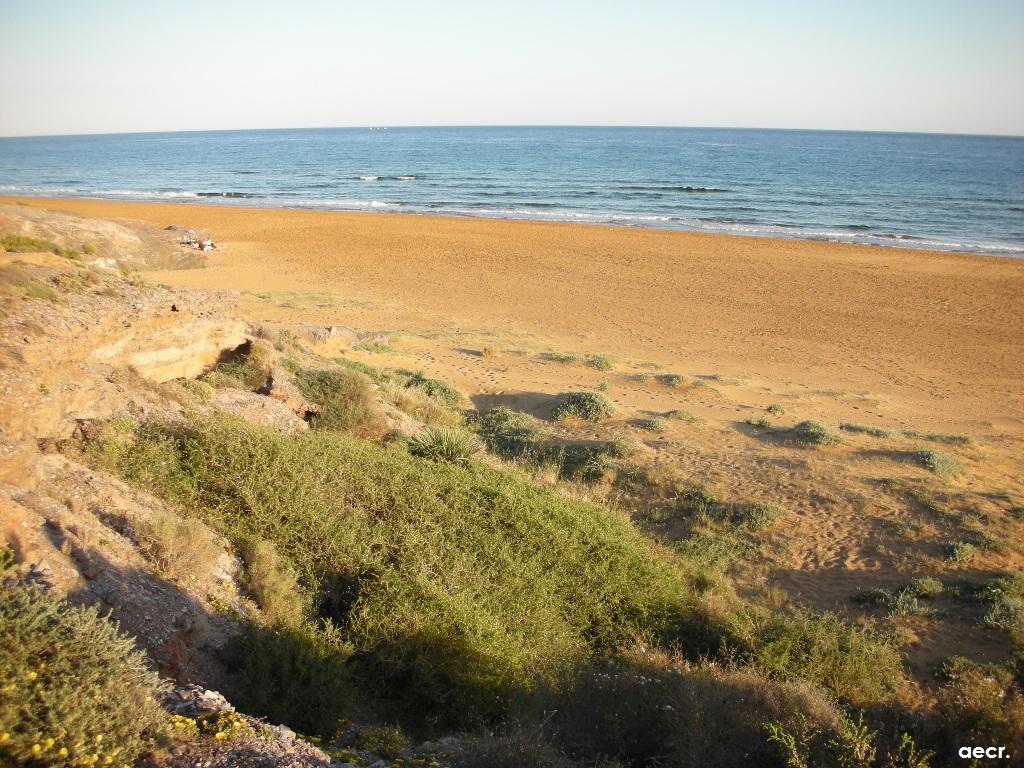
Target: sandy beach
938, 334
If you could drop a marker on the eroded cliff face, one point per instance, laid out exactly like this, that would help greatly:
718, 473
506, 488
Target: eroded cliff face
80, 345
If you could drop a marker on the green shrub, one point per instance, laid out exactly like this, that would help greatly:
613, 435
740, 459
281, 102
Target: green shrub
642, 712
74, 691
939, 462
698, 499
684, 416
980, 703
958, 551
457, 587
508, 432
1005, 596
600, 362
854, 664
181, 548
656, 424
346, 399
776, 409
814, 433
671, 379
560, 357
449, 444
926, 587
866, 429
385, 740
26, 244
272, 583
589, 406
291, 674
758, 516
441, 391
202, 391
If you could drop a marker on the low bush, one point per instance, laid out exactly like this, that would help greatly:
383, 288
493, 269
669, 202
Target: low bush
926, 587
671, 379
438, 390
814, 433
643, 712
589, 406
455, 446
181, 548
866, 429
981, 704
776, 409
939, 462
507, 432
346, 399
74, 690
291, 674
272, 583
758, 516
1005, 597
457, 588
599, 362
958, 551
656, 424
26, 244
857, 665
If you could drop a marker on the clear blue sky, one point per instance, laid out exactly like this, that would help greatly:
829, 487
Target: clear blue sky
86, 66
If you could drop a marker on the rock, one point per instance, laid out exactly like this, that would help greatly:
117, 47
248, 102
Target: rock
161, 350
258, 409
194, 700
281, 386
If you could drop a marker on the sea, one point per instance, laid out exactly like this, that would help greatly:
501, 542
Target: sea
945, 192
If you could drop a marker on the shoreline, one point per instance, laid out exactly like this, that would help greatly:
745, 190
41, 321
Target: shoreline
206, 202
898, 242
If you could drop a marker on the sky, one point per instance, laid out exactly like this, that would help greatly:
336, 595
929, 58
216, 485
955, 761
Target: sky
106, 66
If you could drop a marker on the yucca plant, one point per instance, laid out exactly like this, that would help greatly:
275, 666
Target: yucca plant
444, 444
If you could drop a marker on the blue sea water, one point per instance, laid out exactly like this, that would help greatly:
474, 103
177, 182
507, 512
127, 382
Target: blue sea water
958, 193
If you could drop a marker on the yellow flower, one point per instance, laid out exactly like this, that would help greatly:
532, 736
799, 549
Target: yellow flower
49, 743
63, 752
99, 737
31, 675
108, 759
36, 749
4, 737
220, 735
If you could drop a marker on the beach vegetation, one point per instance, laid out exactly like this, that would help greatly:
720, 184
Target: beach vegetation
939, 462
814, 433
181, 548
26, 244
74, 691
776, 409
655, 424
436, 389
683, 415
671, 379
867, 429
599, 362
589, 406
959, 551
449, 444
346, 401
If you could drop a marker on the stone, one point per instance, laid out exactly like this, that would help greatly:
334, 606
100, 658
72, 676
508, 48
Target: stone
281, 386
258, 409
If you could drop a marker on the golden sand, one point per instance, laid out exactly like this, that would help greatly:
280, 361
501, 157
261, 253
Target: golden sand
937, 331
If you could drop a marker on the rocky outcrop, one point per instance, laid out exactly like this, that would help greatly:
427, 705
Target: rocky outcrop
166, 347
281, 386
258, 409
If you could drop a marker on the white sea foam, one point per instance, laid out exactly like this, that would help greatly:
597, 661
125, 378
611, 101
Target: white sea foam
369, 178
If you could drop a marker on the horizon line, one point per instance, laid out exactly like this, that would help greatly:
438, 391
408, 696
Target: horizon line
511, 125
